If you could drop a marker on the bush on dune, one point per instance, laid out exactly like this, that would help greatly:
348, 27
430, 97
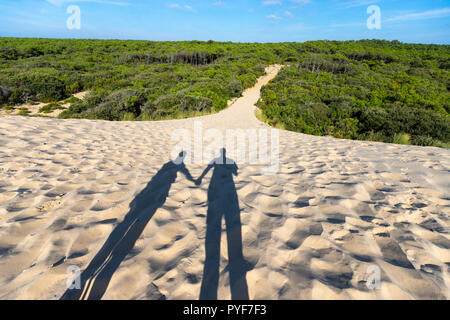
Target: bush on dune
116, 105
78, 108
202, 76
175, 104
50, 108
374, 90
5, 93
414, 121
368, 89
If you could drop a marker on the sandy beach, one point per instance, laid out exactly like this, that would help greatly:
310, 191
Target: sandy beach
104, 197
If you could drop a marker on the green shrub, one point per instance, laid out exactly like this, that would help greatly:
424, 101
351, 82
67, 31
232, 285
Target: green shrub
401, 138
194, 103
5, 93
80, 107
427, 141
414, 121
23, 112
176, 104
234, 88
71, 100
48, 88
18, 96
128, 116
117, 104
73, 88
49, 108
424, 141
260, 69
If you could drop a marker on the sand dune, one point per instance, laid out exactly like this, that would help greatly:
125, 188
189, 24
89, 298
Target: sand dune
105, 197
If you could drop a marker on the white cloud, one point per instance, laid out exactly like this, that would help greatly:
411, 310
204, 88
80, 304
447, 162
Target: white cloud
300, 3
357, 3
347, 25
274, 17
218, 3
179, 7
271, 3
61, 2
431, 14
288, 14
298, 27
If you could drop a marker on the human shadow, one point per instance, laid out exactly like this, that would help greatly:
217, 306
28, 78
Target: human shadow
223, 202
96, 277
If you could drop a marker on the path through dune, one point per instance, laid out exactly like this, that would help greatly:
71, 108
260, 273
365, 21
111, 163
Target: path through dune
105, 197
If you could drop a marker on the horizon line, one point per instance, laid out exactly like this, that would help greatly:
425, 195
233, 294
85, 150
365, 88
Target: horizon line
221, 41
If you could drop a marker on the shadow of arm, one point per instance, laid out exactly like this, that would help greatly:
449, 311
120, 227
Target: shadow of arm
205, 172
186, 172
235, 169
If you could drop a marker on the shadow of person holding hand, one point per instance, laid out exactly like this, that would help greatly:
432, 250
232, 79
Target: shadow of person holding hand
96, 277
223, 201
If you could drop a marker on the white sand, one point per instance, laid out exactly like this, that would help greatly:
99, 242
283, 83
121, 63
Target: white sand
310, 232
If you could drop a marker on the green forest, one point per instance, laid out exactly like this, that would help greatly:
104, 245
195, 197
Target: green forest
130, 80
369, 90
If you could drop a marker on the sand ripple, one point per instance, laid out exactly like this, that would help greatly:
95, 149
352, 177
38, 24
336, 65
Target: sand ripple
335, 208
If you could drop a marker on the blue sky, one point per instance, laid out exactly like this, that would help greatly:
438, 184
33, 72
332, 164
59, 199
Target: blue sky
424, 21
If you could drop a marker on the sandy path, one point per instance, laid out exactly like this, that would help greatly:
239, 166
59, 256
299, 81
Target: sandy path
91, 194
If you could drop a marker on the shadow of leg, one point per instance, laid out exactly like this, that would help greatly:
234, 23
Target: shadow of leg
237, 264
95, 279
223, 200
210, 280
119, 254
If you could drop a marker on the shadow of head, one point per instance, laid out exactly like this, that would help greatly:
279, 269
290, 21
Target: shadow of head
223, 155
180, 159
222, 158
